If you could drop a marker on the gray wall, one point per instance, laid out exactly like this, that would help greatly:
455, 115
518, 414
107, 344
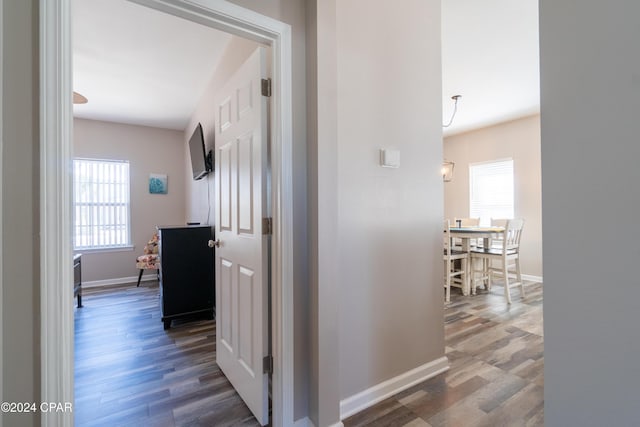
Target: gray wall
410, 228
20, 209
148, 150
516, 139
200, 194
389, 236
590, 74
324, 303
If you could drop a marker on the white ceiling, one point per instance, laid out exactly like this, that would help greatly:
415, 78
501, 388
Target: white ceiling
490, 56
140, 66
136, 65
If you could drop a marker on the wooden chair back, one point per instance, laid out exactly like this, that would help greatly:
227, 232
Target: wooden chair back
467, 222
512, 234
446, 240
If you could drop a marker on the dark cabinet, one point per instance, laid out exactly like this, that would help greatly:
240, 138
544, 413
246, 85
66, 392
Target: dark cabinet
77, 278
186, 272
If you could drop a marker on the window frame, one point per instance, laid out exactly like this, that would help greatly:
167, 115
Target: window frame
109, 247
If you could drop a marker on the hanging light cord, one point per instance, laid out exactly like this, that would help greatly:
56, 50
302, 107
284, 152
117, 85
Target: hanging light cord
455, 109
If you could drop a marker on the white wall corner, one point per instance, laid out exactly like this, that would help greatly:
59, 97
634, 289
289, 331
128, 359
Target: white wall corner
360, 401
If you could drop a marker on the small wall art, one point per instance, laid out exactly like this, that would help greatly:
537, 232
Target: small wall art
157, 183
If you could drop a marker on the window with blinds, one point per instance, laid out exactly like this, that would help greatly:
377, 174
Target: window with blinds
491, 190
101, 204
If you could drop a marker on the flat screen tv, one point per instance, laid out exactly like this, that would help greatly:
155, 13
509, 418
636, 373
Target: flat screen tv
199, 163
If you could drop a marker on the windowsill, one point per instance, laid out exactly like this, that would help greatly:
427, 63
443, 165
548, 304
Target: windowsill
128, 248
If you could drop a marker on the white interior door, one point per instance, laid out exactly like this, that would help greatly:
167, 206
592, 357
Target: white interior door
241, 261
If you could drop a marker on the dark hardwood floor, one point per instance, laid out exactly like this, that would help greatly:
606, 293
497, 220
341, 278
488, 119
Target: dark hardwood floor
496, 375
129, 371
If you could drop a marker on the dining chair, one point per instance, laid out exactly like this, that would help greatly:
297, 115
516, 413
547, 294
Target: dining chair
496, 242
453, 276
499, 222
508, 256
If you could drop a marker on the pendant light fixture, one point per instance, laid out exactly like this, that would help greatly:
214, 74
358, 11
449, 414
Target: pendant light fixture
447, 167
447, 171
455, 109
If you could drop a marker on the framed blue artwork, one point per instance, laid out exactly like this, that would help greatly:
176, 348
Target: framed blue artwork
157, 183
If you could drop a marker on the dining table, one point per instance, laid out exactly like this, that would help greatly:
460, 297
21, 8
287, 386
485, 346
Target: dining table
468, 233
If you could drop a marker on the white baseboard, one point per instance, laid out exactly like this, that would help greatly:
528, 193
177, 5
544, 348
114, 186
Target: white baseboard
530, 278
303, 422
118, 281
371, 396
306, 422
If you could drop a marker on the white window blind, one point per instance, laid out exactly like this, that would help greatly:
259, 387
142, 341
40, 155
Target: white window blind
101, 204
491, 190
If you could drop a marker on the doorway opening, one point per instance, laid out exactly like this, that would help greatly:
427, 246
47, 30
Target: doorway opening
495, 145
57, 318
492, 147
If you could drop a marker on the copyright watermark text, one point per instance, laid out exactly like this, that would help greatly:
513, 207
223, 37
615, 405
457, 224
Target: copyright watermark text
24, 407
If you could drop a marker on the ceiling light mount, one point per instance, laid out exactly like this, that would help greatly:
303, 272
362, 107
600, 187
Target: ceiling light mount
79, 99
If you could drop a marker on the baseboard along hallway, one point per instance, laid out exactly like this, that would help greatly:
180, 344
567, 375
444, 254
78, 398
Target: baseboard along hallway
496, 375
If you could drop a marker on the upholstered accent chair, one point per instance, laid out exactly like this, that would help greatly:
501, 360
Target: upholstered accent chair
150, 259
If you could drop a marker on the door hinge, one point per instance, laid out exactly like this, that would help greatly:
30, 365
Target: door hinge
267, 226
266, 87
267, 364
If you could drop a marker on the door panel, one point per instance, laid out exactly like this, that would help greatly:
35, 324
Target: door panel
224, 114
245, 184
224, 182
245, 99
241, 194
245, 319
224, 306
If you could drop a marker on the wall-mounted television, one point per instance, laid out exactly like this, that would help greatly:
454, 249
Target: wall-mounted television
200, 161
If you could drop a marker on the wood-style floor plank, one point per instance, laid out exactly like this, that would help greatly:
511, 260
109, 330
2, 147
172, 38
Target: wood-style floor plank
496, 361
129, 371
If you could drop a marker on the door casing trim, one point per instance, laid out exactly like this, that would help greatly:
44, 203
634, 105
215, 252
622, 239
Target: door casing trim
1, 208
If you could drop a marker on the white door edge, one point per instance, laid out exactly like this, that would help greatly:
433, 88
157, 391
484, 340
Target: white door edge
56, 124
1, 233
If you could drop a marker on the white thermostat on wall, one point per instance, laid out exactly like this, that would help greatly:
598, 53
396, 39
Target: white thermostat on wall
390, 158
